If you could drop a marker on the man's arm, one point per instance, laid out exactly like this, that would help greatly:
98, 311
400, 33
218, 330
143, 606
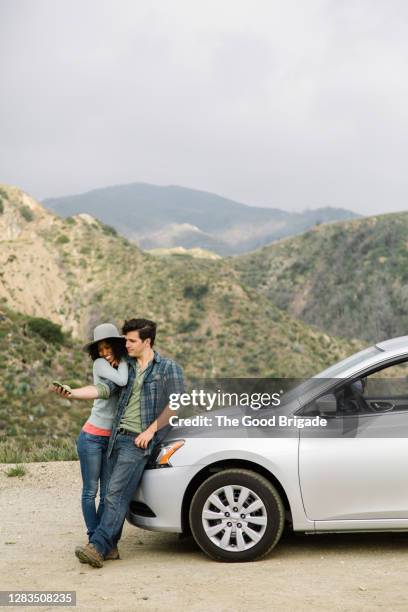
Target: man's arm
174, 383
162, 420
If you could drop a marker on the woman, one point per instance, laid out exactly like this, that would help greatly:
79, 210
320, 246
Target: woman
108, 351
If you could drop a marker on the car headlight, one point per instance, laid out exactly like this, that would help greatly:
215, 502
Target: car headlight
166, 451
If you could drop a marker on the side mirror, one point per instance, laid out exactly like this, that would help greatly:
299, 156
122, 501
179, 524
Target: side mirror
327, 404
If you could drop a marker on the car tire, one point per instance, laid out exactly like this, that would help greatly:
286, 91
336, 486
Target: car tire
219, 521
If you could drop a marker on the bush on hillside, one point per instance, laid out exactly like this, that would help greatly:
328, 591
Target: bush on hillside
26, 213
62, 239
109, 230
187, 326
49, 331
195, 292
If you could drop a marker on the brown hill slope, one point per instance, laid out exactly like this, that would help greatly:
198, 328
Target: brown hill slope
78, 272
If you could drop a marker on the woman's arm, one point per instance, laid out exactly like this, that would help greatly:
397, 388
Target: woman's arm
104, 370
82, 393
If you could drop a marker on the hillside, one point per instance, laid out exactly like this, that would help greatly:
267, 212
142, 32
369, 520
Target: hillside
349, 279
166, 217
31, 417
78, 272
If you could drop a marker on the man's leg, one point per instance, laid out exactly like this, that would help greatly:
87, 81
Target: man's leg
126, 474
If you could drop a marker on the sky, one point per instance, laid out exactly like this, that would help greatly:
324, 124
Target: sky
292, 104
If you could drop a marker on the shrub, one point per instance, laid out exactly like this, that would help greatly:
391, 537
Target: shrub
1, 206
195, 291
38, 450
18, 470
109, 230
62, 239
26, 213
187, 326
49, 331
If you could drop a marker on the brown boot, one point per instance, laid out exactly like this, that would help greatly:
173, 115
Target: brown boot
89, 554
113, 554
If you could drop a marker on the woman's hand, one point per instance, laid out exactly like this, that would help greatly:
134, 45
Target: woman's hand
64, 391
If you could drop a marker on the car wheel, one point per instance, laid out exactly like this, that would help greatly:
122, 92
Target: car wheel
236, 515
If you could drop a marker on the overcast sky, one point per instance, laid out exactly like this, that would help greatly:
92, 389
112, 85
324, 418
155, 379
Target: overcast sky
285, 103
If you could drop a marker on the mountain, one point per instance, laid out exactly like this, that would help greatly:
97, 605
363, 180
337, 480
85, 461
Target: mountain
166, 217
349, 279
78, 272
197, 252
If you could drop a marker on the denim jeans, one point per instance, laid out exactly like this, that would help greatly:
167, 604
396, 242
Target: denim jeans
126, 465
93, 458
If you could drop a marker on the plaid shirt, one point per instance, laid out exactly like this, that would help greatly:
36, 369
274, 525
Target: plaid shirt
163, 376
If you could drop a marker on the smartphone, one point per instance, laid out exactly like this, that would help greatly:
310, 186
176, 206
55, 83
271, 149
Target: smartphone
59, 385
56, 383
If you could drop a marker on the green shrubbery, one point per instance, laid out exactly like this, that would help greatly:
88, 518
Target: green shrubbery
195, 292
62, 239
41, 449
49, 331
109, 230
18, 470
27, 213
187, 326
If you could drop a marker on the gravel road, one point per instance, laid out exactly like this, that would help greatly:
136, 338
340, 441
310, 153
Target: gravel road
41, 524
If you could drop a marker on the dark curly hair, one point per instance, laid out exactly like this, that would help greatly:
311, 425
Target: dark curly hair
118, 346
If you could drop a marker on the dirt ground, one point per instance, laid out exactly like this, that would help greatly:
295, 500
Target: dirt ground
41, 523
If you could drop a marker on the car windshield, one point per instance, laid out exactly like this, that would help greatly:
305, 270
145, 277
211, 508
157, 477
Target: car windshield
349, 362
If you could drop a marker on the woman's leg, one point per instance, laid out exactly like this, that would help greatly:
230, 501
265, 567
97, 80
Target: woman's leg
103, 478
90, 458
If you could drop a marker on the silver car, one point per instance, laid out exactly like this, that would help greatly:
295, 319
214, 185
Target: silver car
237, 493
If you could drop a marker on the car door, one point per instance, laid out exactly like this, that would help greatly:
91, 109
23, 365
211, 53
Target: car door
353, 473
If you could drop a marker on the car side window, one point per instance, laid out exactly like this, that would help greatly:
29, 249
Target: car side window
381, 391
392, 380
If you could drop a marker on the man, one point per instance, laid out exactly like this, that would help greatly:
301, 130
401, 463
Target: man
142, 410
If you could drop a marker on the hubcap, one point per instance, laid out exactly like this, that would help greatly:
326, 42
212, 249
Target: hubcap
234, 518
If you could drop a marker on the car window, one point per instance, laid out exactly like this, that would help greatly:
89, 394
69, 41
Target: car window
391, 381
383, 390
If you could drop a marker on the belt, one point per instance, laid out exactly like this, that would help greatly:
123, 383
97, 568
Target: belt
127, 432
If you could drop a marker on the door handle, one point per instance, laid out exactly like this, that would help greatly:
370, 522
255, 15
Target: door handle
383, 406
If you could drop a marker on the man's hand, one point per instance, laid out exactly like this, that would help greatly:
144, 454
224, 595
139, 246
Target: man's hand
143, 439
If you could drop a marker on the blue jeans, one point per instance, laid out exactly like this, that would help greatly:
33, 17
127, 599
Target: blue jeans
126, 465
93, 458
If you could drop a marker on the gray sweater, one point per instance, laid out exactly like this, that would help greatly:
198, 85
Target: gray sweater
104, 410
